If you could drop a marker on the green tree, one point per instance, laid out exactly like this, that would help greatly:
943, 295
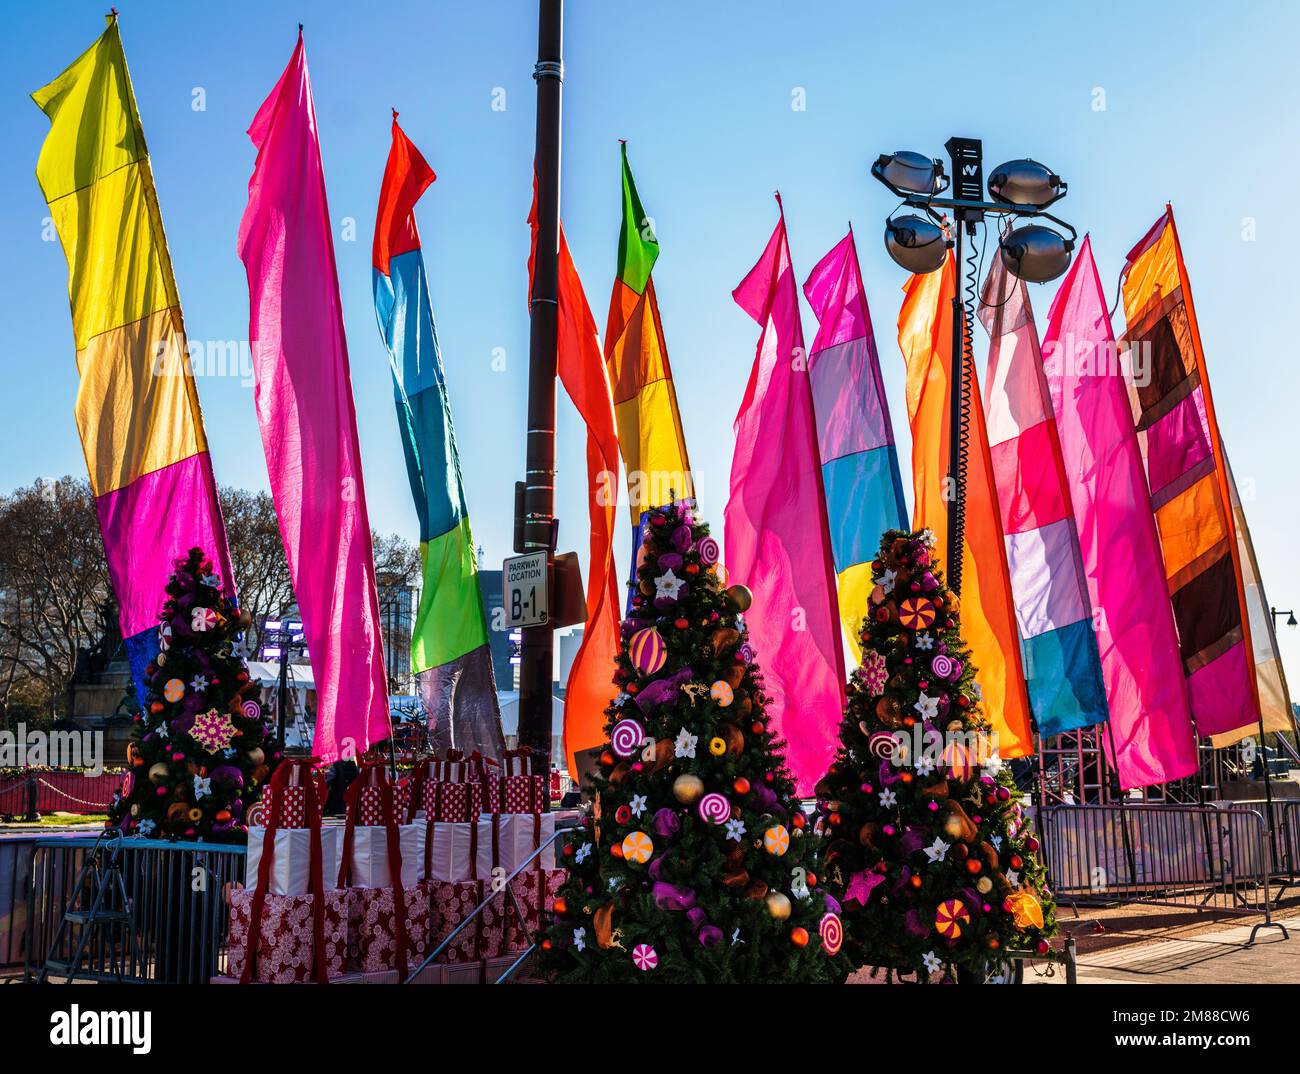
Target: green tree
929, 850
202, 749
695, 864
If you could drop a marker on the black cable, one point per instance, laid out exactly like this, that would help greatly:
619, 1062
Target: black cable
966, 305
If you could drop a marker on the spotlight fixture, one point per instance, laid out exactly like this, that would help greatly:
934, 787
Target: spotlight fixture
906, 172
1026, 182
916, 243
1036, 254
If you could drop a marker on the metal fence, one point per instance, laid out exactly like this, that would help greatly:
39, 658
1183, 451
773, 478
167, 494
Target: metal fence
179, 915
1195, 857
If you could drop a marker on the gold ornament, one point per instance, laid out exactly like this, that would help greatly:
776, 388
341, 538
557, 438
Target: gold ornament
983, 885
256, 756
740, 597
157, 773
778, 905
717, 747
687, 788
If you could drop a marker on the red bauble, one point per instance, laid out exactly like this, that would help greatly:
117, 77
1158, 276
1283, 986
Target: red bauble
799, 936
741, 786
798, 820
1042, 947
1017, 861
972, 865
681, 624
756, 728
560, 906
616, 849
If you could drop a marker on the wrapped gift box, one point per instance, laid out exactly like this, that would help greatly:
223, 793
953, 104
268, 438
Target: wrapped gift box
291, 860
370, 864
286, 948
450, 904
459, 852
513, 837
295, 814
535, 890
373, 928
523, 794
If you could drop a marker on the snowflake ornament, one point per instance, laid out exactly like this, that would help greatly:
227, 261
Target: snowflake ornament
873, 673
212, 730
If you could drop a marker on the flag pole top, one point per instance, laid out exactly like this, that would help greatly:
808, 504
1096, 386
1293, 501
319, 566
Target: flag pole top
394, 115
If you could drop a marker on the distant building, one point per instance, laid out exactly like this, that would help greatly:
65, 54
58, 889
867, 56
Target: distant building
396, 624
503, 643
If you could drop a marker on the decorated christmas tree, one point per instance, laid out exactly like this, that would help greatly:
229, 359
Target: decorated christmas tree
929, 850
695, 863
201, 749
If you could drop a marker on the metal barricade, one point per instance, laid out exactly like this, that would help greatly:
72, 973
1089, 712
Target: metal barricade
179, 915
1196, 857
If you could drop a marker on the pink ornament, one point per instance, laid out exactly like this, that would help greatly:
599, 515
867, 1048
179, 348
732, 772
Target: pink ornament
627, 736
645, 957
647, 650
714, 808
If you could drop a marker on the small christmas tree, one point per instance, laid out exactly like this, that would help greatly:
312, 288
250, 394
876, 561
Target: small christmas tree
201, 749
695, 864
929, 850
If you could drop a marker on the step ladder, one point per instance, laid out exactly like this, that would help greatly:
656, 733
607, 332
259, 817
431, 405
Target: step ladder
99, 908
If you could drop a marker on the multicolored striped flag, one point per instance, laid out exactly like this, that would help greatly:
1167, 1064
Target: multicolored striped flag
778, 541
1150, 722
636, 358
864, 489
137, 407
1054, 616
308, 421
987, 612
1188, 478
449, 643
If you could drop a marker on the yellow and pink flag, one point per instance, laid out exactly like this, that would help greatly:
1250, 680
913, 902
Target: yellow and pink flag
778, 540
308, 419
137, 407
1146, 694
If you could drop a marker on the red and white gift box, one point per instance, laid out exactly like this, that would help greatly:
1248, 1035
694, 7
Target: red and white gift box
375, 940
535, 891
284, 951
523, 794
289, 871
295, 810
369, 862
456, 801
492, 846
451, 904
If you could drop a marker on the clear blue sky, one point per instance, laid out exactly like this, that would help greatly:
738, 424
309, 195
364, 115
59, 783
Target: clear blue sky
1200, 100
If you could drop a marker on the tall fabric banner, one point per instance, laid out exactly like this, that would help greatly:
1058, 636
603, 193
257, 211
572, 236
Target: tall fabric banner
778, 541
581, 368
449, 644
645, 401
1270, 679
1054, 616
1187, 475
1149, 717
864, 489
137, 407
307, 418
987, 612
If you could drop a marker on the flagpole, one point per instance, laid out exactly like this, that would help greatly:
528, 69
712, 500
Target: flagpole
536, 654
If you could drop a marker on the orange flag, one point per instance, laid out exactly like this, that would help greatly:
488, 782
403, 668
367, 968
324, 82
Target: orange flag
581, 366
987, 613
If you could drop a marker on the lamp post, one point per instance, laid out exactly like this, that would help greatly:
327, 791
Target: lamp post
535, 525
1290, 617
919, 242
280, 637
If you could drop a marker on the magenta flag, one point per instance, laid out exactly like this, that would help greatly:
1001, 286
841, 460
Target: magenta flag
778, 542
307, 418
1150, 715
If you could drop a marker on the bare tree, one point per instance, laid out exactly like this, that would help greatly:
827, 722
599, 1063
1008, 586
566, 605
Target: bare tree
54, 591
256, 557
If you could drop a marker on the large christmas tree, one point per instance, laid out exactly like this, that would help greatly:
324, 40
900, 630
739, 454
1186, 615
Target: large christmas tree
695, 863
202, 749
929, 849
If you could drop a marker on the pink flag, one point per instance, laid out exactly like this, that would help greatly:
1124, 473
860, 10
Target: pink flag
1149, 714
778, 543
308, 423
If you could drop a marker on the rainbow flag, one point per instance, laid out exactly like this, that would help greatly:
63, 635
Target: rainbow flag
987, 610
307, 417
641, 380
864, 489
449, 643
778, 541
1058, 641
137, 407
1188, 478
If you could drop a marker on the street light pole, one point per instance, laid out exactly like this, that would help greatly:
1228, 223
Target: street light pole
537, 649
